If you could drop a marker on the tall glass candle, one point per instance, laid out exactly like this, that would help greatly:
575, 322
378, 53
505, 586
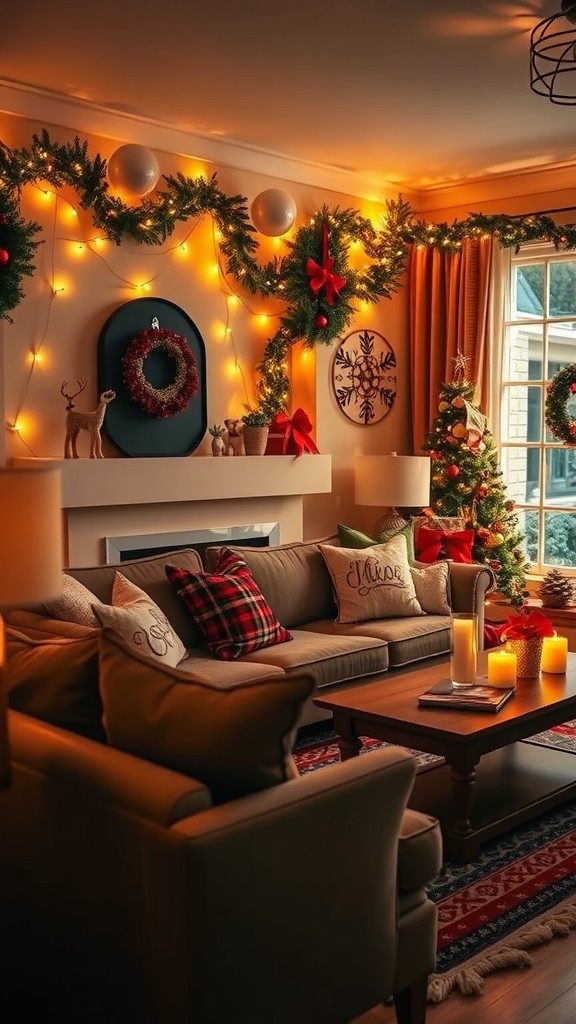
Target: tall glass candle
554, 654
463, 648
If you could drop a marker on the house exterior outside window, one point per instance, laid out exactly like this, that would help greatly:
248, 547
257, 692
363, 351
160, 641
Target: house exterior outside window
539, 340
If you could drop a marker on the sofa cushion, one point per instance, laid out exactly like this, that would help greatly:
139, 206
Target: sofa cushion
74, 603
141, 622
326, 657
229, 608
407, 639
372, 583
149, 575
419, 850
235, 740
432, 585
309, 595
56, 679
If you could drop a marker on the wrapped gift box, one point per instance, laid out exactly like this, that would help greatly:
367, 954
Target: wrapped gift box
290, 436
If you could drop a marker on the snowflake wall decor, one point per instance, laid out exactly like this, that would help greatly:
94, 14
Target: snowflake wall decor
364, 377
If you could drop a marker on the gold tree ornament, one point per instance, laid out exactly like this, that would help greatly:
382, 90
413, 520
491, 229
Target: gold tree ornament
459, 361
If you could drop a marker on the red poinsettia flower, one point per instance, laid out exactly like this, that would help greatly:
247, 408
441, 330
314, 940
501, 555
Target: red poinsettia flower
527, 625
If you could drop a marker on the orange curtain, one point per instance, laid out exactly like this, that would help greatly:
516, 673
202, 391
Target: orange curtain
449, 293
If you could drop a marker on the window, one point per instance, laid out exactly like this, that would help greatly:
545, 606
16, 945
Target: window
539, 339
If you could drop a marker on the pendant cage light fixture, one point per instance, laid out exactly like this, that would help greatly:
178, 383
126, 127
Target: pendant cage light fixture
553, 56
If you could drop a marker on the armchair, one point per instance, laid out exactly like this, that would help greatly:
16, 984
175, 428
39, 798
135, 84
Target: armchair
128, 898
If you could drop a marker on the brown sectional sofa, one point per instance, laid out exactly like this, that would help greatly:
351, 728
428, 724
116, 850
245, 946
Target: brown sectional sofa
297, 585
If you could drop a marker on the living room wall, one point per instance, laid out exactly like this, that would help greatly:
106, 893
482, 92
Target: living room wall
80, 282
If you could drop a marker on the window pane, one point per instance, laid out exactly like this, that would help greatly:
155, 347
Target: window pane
561, 347
560, 538
528, 524
523, 352
563, 288
522, 414
528, 291
561, 477
520, 470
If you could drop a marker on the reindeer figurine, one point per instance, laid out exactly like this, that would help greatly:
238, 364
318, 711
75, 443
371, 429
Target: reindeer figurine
90, 421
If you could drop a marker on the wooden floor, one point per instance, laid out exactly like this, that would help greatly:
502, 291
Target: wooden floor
541, 994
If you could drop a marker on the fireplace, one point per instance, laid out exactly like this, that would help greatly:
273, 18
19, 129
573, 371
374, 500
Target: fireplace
120, 549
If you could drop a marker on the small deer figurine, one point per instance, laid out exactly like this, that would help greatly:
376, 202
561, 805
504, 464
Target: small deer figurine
90, 421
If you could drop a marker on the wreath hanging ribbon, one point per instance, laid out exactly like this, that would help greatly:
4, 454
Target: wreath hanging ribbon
323, 277
298, 428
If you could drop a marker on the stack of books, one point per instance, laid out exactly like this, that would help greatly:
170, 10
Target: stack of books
467, 698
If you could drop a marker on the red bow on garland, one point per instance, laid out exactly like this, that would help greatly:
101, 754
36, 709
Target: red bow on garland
296, 428
433, 544
324, 276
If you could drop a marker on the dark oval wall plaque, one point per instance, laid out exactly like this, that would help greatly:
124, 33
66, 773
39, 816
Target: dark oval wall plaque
134, 431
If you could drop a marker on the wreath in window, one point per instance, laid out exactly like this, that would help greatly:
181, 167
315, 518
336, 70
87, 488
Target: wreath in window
560, 412
176, 397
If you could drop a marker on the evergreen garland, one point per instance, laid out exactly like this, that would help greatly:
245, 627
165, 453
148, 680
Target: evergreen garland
307, 316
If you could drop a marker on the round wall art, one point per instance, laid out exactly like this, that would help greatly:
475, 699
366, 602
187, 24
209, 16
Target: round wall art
364, 377
153, 356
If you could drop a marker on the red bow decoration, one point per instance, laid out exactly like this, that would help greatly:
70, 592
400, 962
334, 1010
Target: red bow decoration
433, 544
296, 428
324, 276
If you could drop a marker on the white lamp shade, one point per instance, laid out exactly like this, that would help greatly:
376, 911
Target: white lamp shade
399, 480
30, 534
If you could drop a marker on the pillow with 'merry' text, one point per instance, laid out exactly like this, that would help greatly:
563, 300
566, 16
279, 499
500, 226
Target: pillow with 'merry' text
372, 583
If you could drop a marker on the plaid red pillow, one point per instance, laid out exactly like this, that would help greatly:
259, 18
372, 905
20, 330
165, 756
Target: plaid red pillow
228, 607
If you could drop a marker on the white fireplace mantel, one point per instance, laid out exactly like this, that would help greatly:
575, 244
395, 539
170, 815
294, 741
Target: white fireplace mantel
106, 497
89, 483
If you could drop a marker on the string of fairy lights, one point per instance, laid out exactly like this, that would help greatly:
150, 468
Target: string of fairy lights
317, 304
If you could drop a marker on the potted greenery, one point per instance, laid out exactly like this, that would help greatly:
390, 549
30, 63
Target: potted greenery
256, 426
217, 433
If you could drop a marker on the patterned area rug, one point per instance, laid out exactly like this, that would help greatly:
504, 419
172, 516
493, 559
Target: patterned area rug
518, 894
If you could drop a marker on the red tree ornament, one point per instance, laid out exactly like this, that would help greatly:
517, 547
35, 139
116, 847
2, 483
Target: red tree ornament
4, 257
452, 471
320, 321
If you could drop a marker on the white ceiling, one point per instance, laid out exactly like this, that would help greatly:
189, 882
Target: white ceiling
412, 92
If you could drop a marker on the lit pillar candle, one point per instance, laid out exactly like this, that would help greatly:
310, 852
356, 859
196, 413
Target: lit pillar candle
463, 650
554, 653
502, 668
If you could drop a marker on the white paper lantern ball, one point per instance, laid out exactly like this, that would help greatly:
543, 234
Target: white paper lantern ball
134, 169
273, 212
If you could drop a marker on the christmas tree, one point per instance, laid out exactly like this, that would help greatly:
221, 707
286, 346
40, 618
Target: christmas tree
466, 481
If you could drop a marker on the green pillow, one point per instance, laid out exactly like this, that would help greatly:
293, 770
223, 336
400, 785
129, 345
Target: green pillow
350, 538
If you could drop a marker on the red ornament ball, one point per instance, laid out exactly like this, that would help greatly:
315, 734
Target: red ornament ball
4, 257
321, 321
452, 471
3, 218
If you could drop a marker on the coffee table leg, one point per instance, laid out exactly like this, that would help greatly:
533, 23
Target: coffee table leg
462, 798
349, 746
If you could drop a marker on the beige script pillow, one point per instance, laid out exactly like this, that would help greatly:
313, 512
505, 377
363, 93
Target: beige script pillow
141, 622
432, 584
372, 583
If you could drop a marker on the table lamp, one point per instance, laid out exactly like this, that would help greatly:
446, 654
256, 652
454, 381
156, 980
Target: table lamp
391, 482
30, 556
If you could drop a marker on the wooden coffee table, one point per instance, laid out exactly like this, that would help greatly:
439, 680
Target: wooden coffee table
474, 801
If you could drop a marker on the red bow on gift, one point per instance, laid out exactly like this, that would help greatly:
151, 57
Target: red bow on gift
324, 276
456, 545
296, 428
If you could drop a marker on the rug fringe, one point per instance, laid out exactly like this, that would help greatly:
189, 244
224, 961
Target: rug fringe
511, 952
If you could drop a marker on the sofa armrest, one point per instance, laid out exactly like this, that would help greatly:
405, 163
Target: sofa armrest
470, 582
100, 773
311, 864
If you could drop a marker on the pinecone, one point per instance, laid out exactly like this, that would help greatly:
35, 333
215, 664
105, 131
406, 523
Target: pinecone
557, 590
